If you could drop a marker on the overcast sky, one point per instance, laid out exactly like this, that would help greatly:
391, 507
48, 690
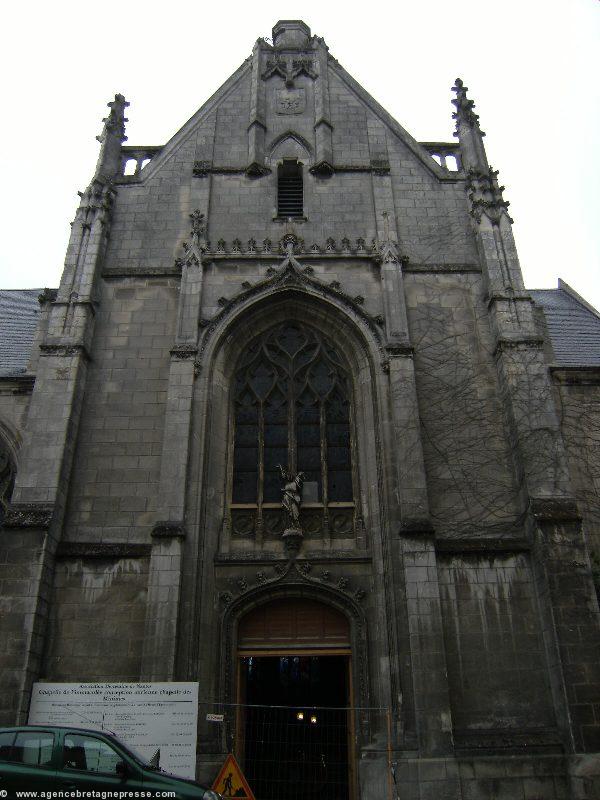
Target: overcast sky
532, 67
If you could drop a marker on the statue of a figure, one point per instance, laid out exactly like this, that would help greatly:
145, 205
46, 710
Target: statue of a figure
292, 495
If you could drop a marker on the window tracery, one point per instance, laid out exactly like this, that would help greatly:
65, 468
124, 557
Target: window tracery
292, 407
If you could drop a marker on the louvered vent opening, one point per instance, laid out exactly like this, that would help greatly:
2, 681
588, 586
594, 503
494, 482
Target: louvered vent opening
290, 193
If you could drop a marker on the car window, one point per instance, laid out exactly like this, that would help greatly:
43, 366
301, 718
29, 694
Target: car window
89, 754
6, 740
33, 748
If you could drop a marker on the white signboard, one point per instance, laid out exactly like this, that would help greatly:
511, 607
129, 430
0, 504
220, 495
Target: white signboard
146, 716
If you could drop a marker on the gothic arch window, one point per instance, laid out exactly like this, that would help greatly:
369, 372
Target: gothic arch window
292, 406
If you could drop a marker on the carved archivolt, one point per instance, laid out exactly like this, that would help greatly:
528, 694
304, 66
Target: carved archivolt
291, 276
294, 580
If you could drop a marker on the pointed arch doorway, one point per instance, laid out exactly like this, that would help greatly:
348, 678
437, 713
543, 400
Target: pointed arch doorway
295, 726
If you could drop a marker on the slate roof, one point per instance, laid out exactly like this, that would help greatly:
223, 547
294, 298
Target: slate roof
573, 326
19, 315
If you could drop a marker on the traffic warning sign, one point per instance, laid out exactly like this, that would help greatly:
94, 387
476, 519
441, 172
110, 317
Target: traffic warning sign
230, 781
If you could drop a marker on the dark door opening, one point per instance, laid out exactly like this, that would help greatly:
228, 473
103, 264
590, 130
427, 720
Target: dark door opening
295, 726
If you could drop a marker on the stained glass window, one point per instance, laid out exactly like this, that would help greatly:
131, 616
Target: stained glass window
292, 407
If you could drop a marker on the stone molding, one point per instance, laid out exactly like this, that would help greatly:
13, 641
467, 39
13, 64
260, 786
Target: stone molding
168, 529
64, 349
28, 515
483, 545
291, 276
103, 550
554, 509
183, 352
243, 558
518, 343
536, 738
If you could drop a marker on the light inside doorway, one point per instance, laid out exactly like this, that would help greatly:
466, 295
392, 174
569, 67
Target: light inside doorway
295, 732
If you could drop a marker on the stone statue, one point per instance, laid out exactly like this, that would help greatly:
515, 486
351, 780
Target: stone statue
292, 495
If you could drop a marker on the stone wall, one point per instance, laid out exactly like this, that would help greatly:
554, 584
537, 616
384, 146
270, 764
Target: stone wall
97, 620
117, 459
497, 669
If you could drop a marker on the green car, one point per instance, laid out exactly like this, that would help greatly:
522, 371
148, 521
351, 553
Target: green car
47, 759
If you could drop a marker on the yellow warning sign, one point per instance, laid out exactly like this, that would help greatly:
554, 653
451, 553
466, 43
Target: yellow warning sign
230, 781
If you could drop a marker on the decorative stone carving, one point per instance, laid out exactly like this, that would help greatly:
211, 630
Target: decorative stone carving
485, 195
464, 107
47, 296
66, 350
183, 352
201, 169
290, 101
289, 69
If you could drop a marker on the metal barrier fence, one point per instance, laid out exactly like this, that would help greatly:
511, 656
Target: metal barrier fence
302, 752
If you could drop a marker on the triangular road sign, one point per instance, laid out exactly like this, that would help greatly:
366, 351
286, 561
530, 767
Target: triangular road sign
230, 781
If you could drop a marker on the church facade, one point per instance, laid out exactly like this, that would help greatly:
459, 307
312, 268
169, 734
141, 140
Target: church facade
290, 401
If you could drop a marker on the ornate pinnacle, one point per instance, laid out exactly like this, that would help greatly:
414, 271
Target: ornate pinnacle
485, 196
114, 124
464, 107
111, 139
198, 226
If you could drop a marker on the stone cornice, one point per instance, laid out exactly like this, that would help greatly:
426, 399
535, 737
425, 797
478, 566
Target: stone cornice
483, 544
168, 529
554, 509
103, 550
65, 349
518, 343
28, 515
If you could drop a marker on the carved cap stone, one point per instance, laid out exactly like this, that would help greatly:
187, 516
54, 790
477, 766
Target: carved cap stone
290, 33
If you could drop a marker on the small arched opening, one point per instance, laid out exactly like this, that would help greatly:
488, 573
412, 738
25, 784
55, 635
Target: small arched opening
295, 726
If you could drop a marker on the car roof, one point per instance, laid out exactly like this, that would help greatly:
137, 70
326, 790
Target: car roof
55, 727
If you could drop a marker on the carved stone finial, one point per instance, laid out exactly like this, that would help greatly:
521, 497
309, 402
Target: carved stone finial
197, 245
464, 107
198, 224
114, 124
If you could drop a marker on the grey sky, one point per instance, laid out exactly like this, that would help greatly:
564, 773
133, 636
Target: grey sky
531, 66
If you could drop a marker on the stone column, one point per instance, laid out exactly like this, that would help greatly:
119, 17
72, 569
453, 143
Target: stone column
164, 583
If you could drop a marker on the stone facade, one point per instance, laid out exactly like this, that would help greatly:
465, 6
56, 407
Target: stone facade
463, 561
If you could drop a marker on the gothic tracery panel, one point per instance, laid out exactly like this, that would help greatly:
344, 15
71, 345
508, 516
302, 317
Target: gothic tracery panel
292, 407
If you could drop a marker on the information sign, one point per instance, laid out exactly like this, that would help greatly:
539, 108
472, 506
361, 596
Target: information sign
146, 716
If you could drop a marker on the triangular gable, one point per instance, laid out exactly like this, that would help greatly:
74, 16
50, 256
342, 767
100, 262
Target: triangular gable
230, 84
413, 145
182, 134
